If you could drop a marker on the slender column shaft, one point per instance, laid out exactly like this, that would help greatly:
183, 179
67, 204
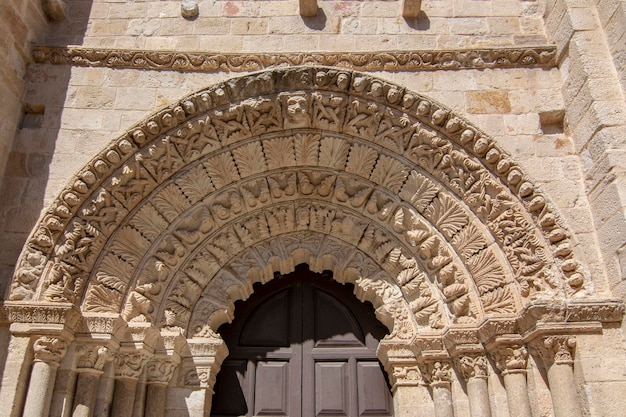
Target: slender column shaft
86, 392
124, 397
104, 394
140, 397
563, 390
517, 394
478, 395
40, 389
155, 400
63, 393
442, 396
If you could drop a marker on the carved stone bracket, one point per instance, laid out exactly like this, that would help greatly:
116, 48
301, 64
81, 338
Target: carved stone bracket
384, 61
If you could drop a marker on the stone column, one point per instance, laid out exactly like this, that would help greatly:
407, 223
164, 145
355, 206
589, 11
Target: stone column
158, 373
473, 368
91, 361
207, 352
410, 391
63, 393
557, 353
48, 353
440, 377
128, 368
512, 361
104, 395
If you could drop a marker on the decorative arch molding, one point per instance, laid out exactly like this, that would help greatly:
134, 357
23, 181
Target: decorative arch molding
455, 202
142, 256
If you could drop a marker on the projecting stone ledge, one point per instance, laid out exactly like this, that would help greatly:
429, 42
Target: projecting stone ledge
410, 8
308, 8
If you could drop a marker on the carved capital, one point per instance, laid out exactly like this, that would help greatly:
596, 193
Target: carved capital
92, 357
472, 366
510, 359
203, 376
438, 373
160, 371
406, 375
129, 365
557, 350
49, 349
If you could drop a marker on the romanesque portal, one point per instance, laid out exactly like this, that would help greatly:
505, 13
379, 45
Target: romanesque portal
123, 284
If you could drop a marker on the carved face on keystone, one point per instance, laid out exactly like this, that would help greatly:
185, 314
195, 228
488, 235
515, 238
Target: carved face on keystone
297, 112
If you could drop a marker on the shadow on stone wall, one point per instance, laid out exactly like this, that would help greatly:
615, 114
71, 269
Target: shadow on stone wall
22, 191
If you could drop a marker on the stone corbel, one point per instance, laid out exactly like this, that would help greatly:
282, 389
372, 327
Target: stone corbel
308, 8
411, 8
55, 10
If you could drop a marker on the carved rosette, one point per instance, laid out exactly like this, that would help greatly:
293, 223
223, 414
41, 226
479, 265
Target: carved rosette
510, 359
49, 349
472, 366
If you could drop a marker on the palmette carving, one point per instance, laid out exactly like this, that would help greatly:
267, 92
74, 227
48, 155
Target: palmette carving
170, 171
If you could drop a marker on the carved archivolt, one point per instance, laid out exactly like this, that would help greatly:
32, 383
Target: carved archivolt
425, 214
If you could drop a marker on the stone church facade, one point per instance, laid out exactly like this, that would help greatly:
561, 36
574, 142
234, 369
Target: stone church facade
459, 164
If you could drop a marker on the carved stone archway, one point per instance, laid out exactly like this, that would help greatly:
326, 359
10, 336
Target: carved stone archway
153, 241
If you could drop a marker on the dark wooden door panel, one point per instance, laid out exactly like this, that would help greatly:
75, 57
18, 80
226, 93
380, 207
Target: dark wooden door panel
302, 346
373, 394
272, 389
230, 391
332, 389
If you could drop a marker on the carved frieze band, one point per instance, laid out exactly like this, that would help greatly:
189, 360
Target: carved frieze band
526, 57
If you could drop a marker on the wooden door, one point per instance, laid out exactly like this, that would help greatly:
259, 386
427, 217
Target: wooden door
302, 346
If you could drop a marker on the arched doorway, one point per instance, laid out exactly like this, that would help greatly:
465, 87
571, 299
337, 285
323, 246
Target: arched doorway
302, 345
143, 255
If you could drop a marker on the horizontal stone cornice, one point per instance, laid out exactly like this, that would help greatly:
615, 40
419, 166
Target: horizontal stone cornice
522, 57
